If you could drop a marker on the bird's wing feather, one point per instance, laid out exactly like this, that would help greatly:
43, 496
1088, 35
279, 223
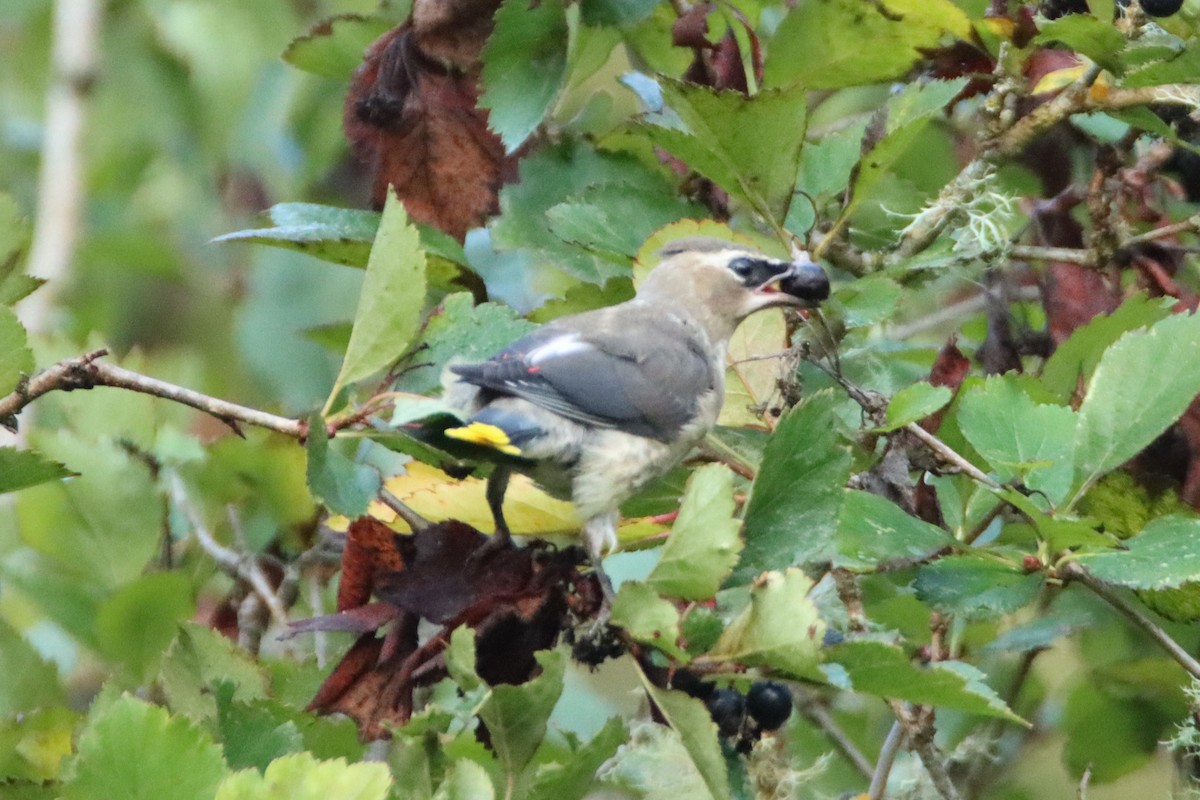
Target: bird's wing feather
591, 370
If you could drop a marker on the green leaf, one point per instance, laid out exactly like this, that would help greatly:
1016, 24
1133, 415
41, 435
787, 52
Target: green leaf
1019, 437
14, 238
334, 47
914, 403
35, 744
466, 780
462, 331
829, 44
615, 12
1111, 736
136, 751
558, 173
884, 670
1181, 69
1137, 392
648, 618
23, 468
200, 659
867, 301
299, 776
524, 64
343, 485
1164, 555
780, 629
698, 734
616, 218
573, 779
703, 545
792, 513
392, 298
761, 169
135, 625
908, 114
516, 715
339, 235
1078, 356
1098, 40
655, 765
254, 734
975, 587
873, 530
16, 359
29, 681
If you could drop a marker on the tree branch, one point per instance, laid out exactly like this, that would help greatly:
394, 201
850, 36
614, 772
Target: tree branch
87, 372
887, 758
1074, 571
816, 712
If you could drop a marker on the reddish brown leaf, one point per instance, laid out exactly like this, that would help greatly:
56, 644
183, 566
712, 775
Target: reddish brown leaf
370, 547
691, 28
1073, 295
949, 369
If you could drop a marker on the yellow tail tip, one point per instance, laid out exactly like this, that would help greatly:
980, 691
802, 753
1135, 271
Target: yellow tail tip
484, 435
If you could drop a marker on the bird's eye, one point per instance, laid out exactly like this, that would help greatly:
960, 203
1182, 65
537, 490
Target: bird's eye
742, 267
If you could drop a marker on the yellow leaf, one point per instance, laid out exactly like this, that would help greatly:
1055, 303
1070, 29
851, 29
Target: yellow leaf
751, 380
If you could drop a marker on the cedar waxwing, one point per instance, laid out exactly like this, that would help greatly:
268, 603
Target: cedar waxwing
595, 406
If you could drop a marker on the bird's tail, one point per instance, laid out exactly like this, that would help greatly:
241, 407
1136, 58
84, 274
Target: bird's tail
504, 431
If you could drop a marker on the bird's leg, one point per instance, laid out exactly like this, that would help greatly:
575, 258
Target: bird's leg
600, 537
501, 538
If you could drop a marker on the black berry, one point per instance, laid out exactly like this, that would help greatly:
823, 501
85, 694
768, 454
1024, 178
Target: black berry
769, 704
1157, 8
728, 709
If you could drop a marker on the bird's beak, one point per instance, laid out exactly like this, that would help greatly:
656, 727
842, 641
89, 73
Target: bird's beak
803, 284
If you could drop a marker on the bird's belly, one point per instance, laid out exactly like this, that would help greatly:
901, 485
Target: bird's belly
614, 467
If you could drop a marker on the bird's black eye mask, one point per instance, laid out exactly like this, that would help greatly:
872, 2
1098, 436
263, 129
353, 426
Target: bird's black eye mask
754, 272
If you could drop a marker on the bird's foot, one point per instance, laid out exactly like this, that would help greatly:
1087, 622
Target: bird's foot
500, 540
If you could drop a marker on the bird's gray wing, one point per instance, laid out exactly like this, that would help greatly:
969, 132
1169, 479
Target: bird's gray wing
630, 371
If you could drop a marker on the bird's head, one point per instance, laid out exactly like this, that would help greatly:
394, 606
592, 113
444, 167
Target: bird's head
723, 283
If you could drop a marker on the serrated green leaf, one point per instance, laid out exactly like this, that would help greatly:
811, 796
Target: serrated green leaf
136, 623
343, 485
516, 715
1098, 40
908, 114
465, 780
689, 718
760, 170
200, 659
392, 298
1136, 393
465, 332
829, 44
16, 359
524, 63
574, 778
14, 238
615, 12
867, 301
792, 514
648, 618
137, 751
35, 744
884, 670
1021, 438
29, 681
253, 734
655, 765
1183, 68
1078, 356
615, 218
974, 587
703, 545
334, 47
20, 469
1164, 555
299, 776
914, 403
873, 530
780, 629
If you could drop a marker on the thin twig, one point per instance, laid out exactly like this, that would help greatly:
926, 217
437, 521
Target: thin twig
1189, 225
948, 455
963, 308
931, 757
87, 372
1039, 253
887, 758
1075, 571
814, 709
240, 566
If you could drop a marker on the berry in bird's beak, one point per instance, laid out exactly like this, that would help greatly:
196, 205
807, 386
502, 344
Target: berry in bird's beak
806, 281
